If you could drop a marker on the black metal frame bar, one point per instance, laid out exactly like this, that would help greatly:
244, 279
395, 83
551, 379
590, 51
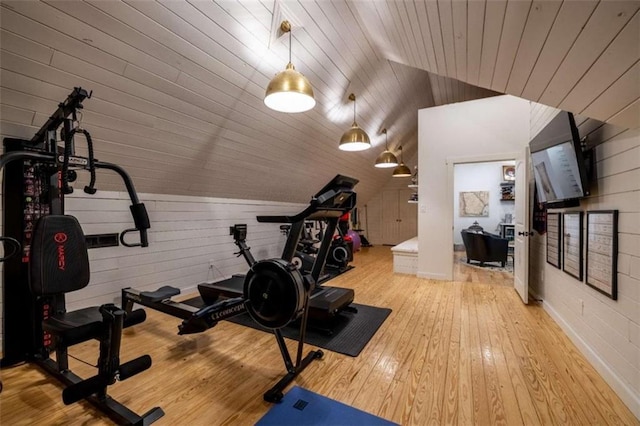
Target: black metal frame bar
167, 306
82, 163
66, 108
42, 148
117, 412
195, 320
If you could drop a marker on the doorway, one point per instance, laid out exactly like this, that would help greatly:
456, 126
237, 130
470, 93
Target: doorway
484, 206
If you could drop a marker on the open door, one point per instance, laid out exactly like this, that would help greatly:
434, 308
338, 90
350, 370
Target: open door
521, 249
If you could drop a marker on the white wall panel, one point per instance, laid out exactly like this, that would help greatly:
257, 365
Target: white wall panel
515, 18
602, 27
615, 61
542, 16
28, 48
493, 18
459, 14
600, 326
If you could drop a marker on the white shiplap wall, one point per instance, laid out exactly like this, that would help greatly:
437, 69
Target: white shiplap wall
178, 85
607, 331
187, 235
578, 55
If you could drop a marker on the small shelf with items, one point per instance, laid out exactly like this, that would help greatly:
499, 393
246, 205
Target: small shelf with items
413, 198
507, 191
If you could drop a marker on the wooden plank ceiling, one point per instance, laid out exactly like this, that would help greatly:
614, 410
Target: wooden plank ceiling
178, 86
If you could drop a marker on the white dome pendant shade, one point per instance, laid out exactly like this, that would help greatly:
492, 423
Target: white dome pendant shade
386, 159
354, 139
289, 91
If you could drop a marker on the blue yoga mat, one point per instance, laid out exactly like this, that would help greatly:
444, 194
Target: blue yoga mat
302, 407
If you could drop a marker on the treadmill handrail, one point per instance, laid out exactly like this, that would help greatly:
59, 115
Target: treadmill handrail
318, 208
310, 213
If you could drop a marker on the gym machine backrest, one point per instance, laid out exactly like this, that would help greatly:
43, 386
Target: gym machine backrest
54, 261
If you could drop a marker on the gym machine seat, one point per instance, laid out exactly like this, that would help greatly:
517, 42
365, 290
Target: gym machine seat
59, 265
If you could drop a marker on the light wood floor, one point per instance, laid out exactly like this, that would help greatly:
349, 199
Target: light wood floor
463, 352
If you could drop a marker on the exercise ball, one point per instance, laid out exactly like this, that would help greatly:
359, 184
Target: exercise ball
355, 237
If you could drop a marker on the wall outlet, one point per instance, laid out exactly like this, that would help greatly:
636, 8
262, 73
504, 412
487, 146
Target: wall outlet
211, 264
581, 306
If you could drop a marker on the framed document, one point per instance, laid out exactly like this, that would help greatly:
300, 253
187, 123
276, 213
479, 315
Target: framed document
602, 252
554, 231
572, 244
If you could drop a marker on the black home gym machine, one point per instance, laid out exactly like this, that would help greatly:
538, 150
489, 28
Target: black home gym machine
274, 292
54, 261
340, 252
325, 302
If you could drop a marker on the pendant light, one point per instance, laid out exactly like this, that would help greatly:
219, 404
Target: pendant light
289, 91
402, 170
386, 159
354, 139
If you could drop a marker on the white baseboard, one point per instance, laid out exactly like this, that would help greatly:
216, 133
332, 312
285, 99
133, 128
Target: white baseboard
433, 276
626, 394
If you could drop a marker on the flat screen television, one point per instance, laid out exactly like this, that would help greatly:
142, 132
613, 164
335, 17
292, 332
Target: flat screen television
559, 166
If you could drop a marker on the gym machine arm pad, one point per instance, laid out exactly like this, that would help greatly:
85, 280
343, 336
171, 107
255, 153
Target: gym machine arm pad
138, 210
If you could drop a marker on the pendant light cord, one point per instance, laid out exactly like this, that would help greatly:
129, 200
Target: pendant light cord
354, 109
289, 45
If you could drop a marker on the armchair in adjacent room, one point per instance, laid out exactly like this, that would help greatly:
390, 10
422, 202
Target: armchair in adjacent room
485, 247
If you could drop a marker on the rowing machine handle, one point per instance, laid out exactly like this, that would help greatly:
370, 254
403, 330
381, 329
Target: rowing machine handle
141, 220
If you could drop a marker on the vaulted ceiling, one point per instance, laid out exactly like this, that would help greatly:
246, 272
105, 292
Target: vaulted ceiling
178, 86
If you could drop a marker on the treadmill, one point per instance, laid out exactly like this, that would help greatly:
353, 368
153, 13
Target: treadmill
326, 303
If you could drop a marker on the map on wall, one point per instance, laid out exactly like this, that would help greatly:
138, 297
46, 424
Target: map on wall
474, 203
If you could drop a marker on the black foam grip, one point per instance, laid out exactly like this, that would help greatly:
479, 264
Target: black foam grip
140, 216
134, 317
83, 389
133, 367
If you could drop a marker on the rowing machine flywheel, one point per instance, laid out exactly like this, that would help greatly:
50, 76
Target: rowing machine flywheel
274, 292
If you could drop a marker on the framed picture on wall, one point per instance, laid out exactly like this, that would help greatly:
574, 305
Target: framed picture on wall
474, 204
602, 252
509, 173
572, 244
554, 240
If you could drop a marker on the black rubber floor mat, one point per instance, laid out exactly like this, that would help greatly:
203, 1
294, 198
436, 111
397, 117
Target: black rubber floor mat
350, 331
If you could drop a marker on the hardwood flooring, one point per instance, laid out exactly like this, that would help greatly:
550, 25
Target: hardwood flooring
463, 352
